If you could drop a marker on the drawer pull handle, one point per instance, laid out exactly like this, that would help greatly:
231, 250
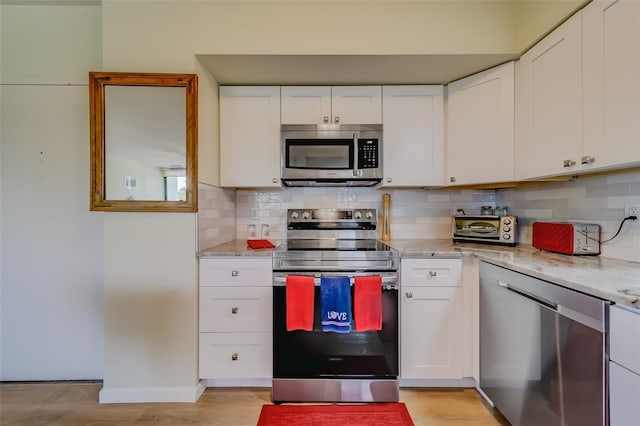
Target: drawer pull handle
409, 295
568, 163
234, 273
432, 273
234, 357
234, 310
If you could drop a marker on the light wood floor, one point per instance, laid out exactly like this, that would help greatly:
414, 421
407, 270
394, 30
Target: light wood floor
76, 404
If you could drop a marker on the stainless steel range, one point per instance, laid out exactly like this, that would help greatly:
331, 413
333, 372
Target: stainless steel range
318, 366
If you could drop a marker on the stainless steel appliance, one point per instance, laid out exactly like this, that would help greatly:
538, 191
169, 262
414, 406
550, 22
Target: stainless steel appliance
543, 350
331, 155
486, 229
567, 238
317, 366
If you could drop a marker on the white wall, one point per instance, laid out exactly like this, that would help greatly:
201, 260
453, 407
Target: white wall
51, 256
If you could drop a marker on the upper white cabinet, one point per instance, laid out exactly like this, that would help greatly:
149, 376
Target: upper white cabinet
331, 104
611, 57
480, 127
549, 104
413, 141
250, 136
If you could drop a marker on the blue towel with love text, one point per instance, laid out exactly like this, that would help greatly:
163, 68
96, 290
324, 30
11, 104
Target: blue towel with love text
335, 299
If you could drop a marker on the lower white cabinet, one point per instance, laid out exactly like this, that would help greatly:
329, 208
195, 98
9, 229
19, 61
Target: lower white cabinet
624, 366
235, 317
431, 327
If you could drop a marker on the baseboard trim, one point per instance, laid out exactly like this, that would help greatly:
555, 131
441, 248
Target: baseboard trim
235, 383
466, 382
158, 394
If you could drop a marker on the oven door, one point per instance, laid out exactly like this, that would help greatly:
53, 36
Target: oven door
326, 355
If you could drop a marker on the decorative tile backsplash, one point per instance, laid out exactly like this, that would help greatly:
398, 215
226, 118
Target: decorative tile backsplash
216, 216
595, 199
414, 213
225, 214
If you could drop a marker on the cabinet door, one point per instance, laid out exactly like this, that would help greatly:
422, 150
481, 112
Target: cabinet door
250, 136
306, 105
480, 122
431, 333
549, 101
356, 104
413, 143
611, 83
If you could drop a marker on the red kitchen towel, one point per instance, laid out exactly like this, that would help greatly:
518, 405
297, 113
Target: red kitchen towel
367, 303
260, 244
300, 291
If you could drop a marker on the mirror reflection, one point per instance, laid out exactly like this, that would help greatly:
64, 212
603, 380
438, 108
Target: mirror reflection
143, 141
145, 146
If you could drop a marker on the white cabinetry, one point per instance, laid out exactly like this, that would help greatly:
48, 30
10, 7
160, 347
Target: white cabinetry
480, 127
624, 366
431, 332
413, 142
549, 104
331, 104
250, 136
611, 74
235, 318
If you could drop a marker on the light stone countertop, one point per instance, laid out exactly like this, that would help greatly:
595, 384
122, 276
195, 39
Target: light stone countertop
610, 279
235, 248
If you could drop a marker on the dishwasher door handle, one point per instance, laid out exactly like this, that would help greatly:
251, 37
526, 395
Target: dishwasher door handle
539, 300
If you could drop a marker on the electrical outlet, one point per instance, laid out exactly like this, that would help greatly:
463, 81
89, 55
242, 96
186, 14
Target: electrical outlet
632, 209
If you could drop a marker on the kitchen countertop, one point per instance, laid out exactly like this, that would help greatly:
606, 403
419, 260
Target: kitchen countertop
610, 279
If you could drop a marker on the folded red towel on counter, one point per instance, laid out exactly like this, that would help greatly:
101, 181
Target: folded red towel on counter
367, 303
299, 298
260, 244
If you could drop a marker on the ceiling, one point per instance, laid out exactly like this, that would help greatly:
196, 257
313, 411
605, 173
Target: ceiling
345, 69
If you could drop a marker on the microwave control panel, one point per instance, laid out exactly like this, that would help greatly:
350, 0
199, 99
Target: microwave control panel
368, 154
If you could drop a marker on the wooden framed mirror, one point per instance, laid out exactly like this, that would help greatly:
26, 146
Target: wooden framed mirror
143, 142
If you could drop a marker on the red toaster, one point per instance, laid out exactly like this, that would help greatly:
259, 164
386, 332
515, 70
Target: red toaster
567, 238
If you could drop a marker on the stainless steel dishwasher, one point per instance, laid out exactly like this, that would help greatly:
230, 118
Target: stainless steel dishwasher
543, 350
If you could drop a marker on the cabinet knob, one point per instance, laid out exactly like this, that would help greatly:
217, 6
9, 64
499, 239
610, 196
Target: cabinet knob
274, 180
389, 180
234, 310
336, 119
568, 163
452, 179
587, 159
432, 273
234, 273
409, 295
326, 118
234, 357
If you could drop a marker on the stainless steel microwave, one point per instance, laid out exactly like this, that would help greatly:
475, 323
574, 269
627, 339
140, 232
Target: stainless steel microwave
331, 155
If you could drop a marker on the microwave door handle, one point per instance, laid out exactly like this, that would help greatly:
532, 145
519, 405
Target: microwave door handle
355, 154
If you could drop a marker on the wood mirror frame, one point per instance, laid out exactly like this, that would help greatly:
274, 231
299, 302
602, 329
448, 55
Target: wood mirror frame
98, 81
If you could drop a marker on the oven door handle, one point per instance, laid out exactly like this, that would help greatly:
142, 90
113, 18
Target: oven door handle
389, 282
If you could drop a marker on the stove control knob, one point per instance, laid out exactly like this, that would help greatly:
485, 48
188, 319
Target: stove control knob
294, 215
358, 215
369, 215
306, 215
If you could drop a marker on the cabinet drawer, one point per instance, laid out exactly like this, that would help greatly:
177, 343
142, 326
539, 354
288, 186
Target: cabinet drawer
235, 355
624, 394
230, 309
251, 271
431, 272
625, 338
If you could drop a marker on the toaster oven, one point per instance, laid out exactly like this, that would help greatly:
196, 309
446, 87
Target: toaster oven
487, 229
